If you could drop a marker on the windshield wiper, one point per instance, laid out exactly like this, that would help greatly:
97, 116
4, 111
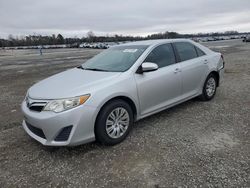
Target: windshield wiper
80, 67
94, 69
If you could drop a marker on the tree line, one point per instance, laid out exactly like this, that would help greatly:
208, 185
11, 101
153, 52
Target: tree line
35, 40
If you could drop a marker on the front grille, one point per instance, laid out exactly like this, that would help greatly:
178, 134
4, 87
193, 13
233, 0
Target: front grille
35, 105
64, 134
36, 108
36, 131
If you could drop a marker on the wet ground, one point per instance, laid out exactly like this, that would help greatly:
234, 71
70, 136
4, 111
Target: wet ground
194, 144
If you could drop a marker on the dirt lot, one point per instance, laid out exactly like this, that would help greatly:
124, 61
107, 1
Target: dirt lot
195, 144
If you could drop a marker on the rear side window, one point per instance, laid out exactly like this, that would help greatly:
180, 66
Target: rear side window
200, 52
185, 50
162, 55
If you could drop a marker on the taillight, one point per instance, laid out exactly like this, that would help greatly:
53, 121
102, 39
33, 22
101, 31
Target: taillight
222, 57
223, 61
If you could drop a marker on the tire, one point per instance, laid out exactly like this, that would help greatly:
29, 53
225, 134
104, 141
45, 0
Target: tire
209, 88
110, 129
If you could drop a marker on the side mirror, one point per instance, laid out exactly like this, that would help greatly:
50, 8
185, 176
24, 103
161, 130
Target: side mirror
147, 67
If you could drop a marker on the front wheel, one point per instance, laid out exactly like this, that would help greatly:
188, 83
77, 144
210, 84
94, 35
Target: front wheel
209, 88
114, 122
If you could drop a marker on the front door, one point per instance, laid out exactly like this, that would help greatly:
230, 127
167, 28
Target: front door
162, 87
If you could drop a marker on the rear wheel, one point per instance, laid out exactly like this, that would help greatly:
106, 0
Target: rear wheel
114, 122
209, 88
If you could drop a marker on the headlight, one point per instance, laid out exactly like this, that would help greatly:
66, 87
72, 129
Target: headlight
65, 104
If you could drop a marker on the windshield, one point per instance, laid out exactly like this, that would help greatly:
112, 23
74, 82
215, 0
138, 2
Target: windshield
115, 59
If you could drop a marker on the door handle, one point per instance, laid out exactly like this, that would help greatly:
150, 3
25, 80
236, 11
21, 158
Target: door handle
205, 61
177, 70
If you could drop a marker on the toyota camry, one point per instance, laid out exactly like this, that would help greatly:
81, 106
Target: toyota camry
102, 98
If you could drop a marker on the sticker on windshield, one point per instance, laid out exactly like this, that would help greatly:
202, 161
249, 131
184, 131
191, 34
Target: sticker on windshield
130, 50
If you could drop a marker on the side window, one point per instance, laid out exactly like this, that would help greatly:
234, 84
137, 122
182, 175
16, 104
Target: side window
200, 52
162, 55
185, 50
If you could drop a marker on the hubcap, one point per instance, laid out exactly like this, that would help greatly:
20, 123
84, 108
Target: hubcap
210, 87
117, 122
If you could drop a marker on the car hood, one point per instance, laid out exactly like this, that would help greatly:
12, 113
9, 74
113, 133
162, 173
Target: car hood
71, 83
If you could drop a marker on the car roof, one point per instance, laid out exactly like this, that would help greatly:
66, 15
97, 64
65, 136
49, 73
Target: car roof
152, 43
155, 42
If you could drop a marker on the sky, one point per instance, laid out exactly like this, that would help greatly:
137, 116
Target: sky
127, 17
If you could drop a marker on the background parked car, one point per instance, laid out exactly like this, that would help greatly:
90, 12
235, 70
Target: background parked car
246, 39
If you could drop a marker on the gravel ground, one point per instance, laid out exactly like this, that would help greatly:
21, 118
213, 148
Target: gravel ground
195, 144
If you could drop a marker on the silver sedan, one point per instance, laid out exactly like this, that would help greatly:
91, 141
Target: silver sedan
101, 99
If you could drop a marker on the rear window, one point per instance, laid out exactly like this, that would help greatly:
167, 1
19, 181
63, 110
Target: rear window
185, 50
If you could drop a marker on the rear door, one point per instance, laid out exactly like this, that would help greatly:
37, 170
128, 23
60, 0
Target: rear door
193, 64
162, 87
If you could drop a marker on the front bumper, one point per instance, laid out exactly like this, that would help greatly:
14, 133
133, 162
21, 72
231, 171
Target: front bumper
81, 119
